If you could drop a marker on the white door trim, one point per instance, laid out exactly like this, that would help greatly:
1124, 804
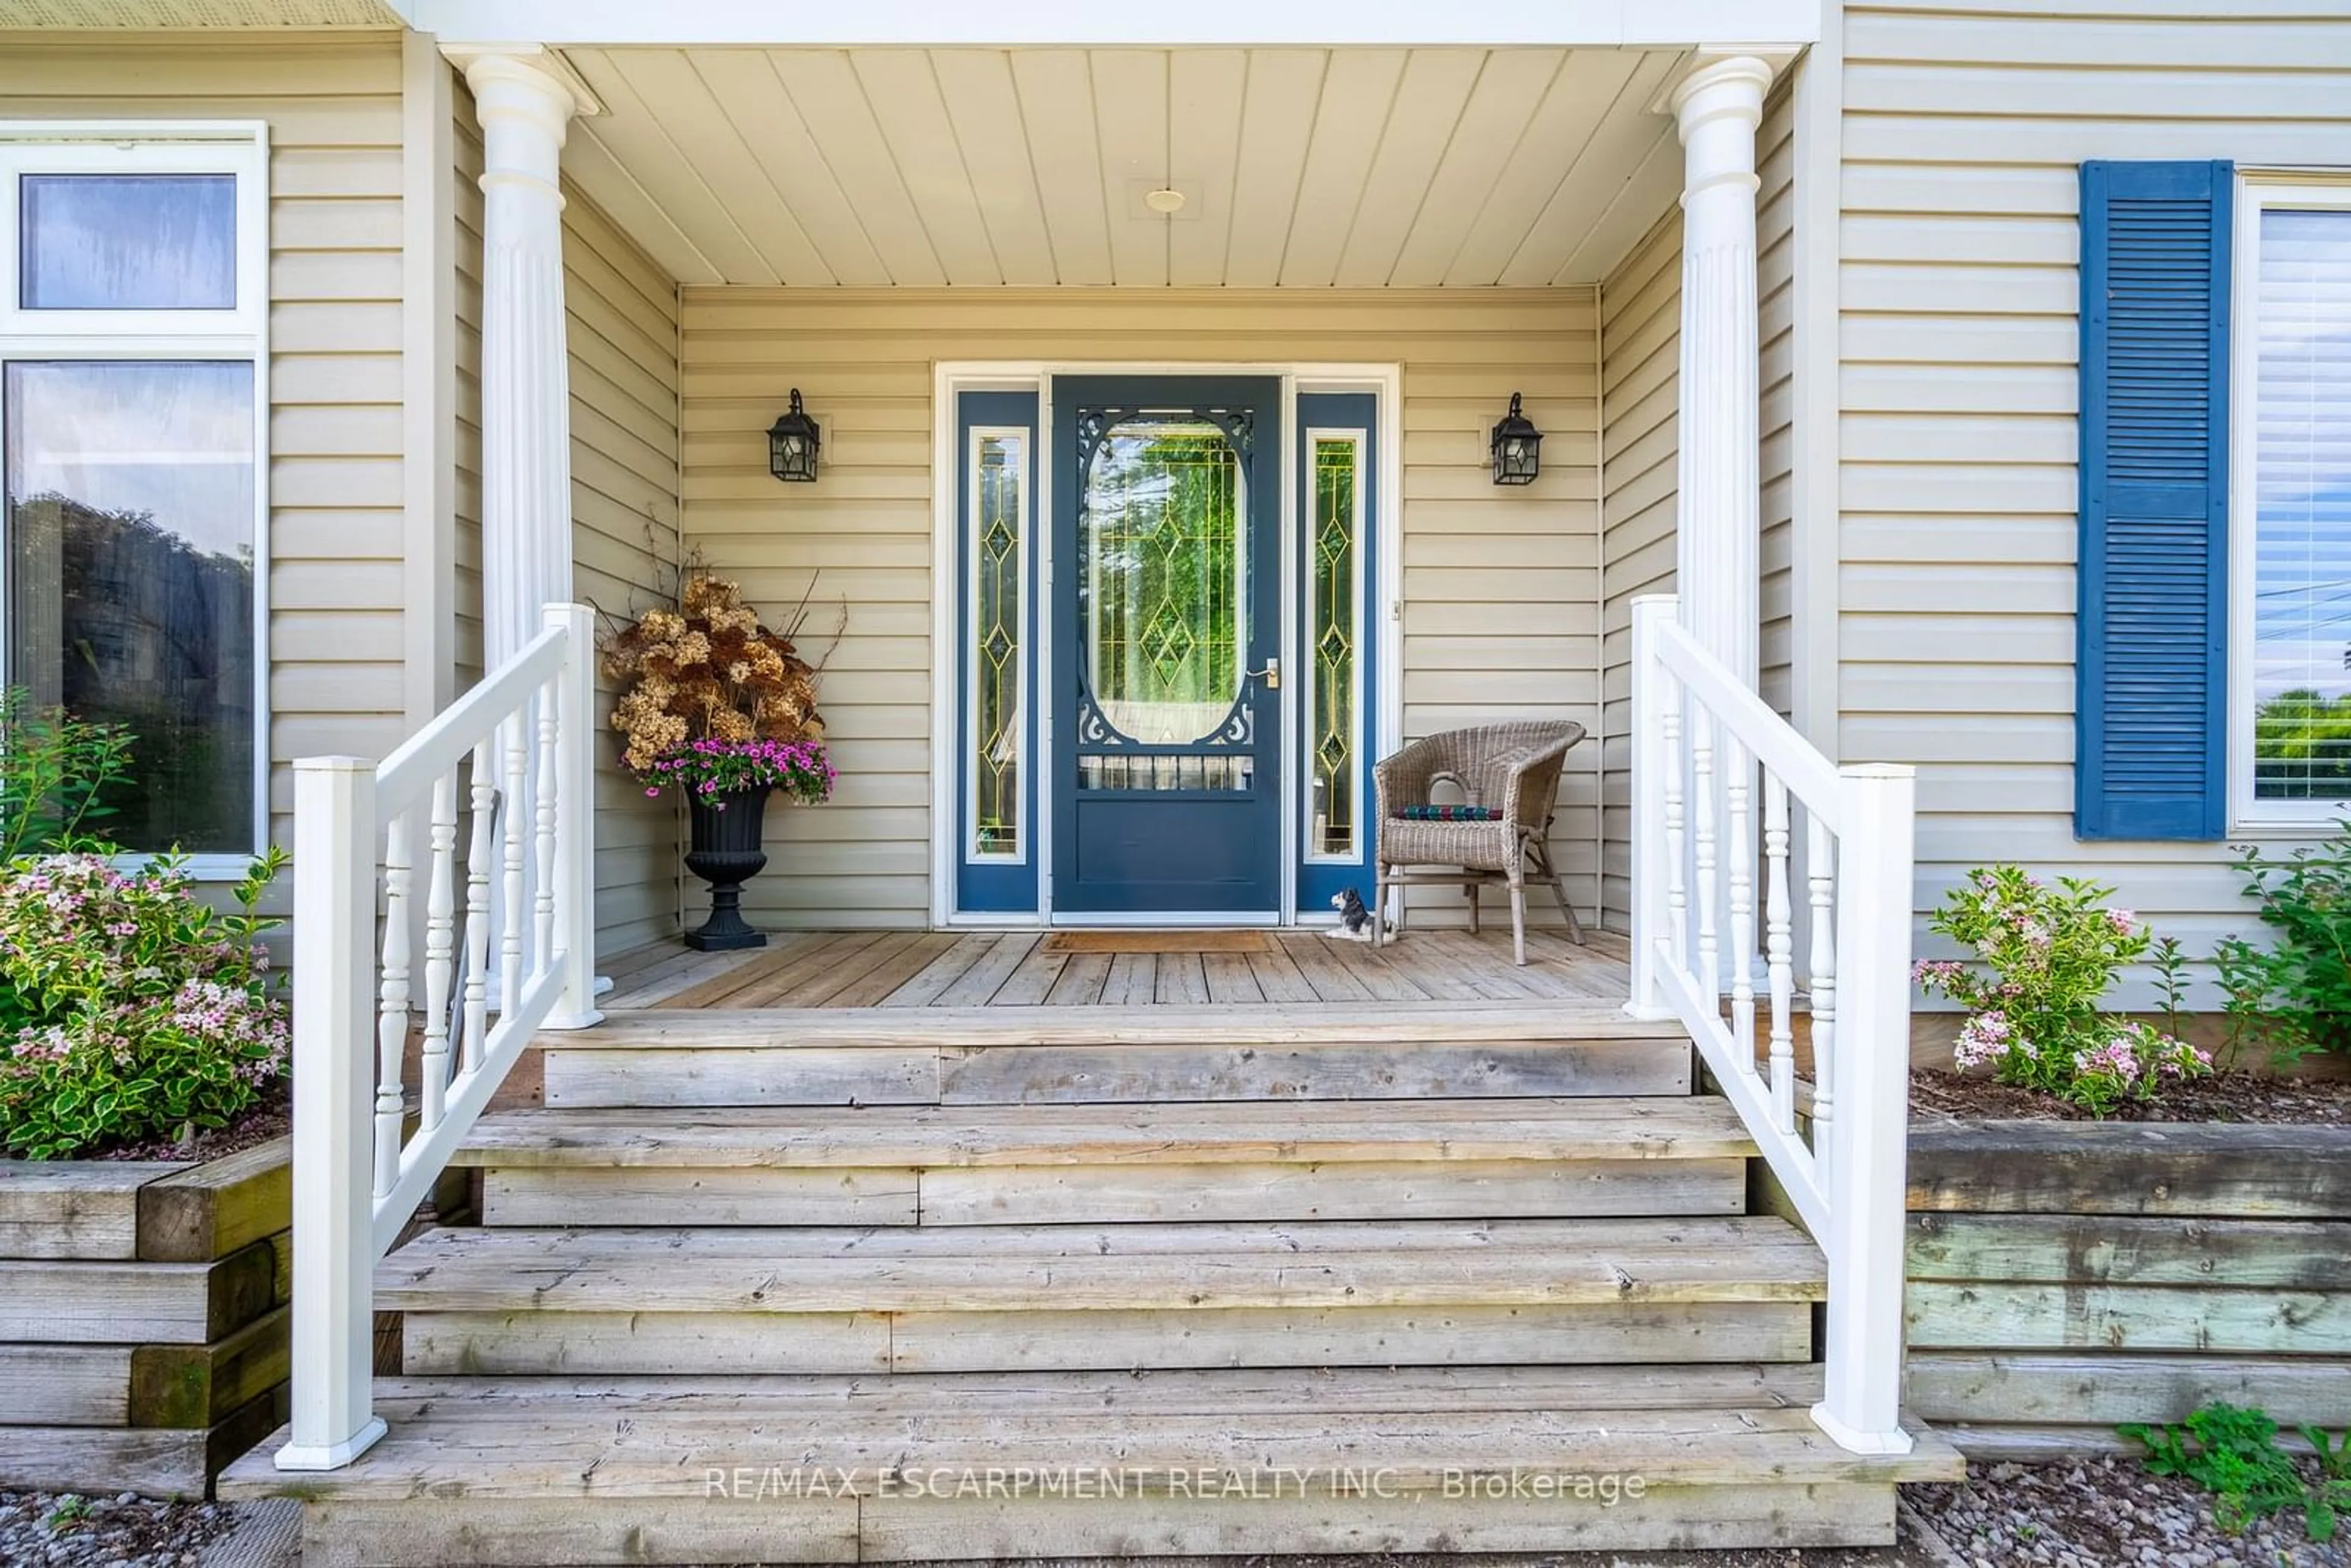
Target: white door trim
951, 378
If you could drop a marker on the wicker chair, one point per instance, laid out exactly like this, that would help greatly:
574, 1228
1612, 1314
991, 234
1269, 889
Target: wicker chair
1513, 766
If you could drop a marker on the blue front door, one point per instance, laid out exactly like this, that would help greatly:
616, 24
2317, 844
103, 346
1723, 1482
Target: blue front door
1166, 627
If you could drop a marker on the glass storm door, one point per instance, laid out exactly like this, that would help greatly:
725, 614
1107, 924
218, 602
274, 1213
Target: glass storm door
1167, 624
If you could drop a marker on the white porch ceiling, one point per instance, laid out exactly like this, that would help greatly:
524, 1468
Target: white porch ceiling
1302, 168
78, 13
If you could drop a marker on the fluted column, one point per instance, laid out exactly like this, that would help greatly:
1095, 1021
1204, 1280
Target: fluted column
1717, 108
525, 102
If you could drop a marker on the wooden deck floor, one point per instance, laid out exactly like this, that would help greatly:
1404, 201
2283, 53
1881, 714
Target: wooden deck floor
1128, 969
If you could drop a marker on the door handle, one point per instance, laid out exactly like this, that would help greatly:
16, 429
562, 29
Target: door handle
1271, 674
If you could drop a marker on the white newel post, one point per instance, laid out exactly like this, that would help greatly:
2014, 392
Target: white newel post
332, 1333
1651, 916
1867, 1182
575, 819
1717, 108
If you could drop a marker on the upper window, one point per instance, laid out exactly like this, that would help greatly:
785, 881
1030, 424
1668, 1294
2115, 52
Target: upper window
132, 434
127, 242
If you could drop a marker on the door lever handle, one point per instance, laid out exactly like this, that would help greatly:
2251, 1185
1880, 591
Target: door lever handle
1271, 674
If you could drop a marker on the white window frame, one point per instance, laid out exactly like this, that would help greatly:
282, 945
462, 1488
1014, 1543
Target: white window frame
979, 435
239, 334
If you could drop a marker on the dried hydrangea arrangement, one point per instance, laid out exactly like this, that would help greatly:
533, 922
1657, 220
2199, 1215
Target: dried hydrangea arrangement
711, 693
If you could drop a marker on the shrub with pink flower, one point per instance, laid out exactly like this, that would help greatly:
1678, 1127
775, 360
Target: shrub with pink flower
2045, 956
800, 769
2132, 1063
130, 1011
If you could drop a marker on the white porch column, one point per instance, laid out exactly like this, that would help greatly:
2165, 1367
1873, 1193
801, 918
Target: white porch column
525, 100
1717, 108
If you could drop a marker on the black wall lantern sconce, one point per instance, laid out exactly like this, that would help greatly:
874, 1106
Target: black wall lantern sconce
793, 439
1517, 448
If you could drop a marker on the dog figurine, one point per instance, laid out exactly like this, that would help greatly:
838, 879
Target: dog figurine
1355, 918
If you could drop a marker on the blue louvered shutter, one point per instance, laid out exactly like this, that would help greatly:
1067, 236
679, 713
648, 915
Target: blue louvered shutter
2152, 709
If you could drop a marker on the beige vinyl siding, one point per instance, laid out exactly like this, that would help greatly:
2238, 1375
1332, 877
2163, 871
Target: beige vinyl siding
624, 312
1775, 290
1640, 375
1500, 585
333, 109
465, 196
622, 317
1964, 125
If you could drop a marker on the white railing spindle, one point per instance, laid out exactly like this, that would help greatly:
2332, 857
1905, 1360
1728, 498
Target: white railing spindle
542, 924
440, 947
1677, 933
1702, 873
1778, 952
512, 806
392, 1015
1820, 881
526, 733
1739, 773
484, 797
1845, 1184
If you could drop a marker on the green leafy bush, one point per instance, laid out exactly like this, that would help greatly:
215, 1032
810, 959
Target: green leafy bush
2232, 1453
53, 771
2045, 958
131, 1010
2296, 995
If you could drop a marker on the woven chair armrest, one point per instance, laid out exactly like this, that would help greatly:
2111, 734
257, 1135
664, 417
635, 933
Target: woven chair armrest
1532, 786
1405, 777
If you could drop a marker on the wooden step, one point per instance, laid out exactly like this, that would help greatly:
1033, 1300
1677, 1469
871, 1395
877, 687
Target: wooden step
1237, 1160
1024, 1055
964, 1299
914, 1469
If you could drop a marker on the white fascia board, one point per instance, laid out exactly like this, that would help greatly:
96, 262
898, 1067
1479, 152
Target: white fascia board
947, 23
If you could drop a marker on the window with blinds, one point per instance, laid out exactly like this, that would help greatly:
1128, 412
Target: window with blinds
2297, 499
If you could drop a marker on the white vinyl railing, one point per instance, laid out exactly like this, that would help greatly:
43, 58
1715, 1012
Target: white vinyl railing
1704, 840
511, 763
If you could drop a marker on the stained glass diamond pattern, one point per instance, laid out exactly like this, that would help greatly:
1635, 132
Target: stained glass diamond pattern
995, 633
1168, 642
1163, 553
1332, 729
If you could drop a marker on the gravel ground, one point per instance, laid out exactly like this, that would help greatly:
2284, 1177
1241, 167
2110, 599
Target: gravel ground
2104, 1513
2097, 1513
44, 1529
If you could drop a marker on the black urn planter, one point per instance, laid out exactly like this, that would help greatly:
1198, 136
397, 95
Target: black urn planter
726, 853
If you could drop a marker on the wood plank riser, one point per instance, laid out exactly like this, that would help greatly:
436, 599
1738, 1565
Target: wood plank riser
1997, 1315
1424, 1189
136, 1302
431, 1531
154, 1461
1121, 1073
2105, 1389
698, 1344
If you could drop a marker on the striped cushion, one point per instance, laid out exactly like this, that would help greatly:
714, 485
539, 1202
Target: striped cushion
1451, 813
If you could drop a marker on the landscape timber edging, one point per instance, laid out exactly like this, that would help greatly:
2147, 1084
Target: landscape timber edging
143, 1319
2067, 1277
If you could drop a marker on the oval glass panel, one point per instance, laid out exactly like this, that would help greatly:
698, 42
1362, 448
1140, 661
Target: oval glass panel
1162, 538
